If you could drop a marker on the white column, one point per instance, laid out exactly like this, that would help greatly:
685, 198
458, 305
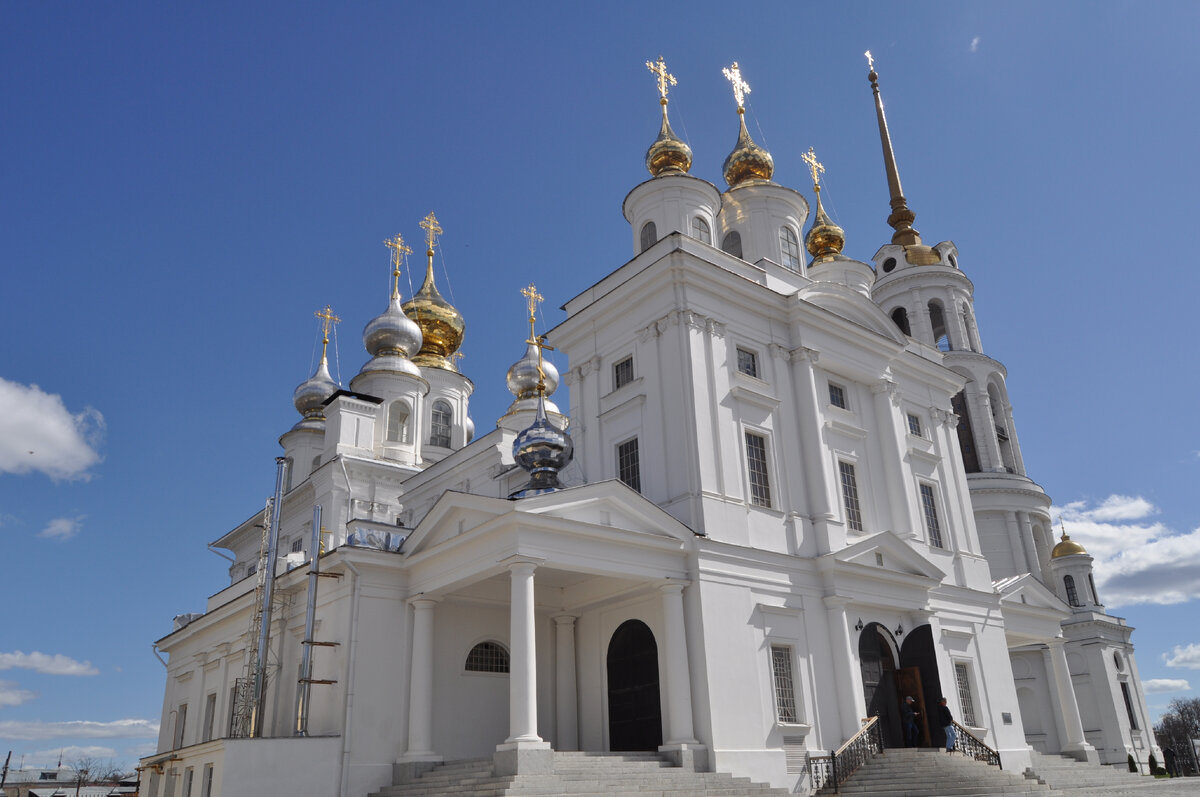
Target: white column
679, 680
851, 699
1068, 708
566, 697
420, 694
522, 682
984, 425
1031, 557
808, 411
1013, 443
900, 503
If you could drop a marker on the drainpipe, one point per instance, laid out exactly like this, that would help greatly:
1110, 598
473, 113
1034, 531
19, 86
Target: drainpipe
355, 595
310, 610
264, 631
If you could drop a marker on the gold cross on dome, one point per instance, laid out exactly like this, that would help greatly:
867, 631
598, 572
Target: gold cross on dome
870, 60
814, 166
664, 77
740, 87
399, 250
533, 298
328, 319
432, 230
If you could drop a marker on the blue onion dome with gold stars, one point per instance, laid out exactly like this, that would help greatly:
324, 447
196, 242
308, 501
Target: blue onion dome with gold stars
310, 396
668, 154
392, 338
442, 325
748, 163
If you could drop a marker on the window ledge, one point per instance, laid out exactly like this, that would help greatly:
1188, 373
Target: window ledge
751, 394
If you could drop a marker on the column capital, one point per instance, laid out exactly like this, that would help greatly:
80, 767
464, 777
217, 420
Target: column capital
423, 601
674, 585
1056, 643
837, 601
565, 619
518, 563
804, 354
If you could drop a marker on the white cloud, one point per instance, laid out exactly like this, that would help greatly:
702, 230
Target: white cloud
142, 750
38, 433
1187, 657
62, 528
975, 44
1160, 685
69, 754
79, 729
58, 664
12, 695
1136, 560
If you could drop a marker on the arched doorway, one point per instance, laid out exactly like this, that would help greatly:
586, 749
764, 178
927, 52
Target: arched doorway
634, 713
919, 677
877, 661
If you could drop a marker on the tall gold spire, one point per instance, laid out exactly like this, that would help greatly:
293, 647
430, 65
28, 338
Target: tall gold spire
748, 161
825, 240
441, 324
668, 154
901, 218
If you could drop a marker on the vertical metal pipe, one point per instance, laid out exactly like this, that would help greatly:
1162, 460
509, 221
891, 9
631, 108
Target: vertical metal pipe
314, 568
264, 630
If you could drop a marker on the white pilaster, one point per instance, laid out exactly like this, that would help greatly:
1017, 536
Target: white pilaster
566, 697
900, 504
420, 696
1073, 743
851, 699
679, 679
808, 412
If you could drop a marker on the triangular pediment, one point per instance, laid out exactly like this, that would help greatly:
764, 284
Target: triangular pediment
1027, 591
898, 557
853, 306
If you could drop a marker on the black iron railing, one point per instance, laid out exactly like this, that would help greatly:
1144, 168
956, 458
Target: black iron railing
830, 771
970, 745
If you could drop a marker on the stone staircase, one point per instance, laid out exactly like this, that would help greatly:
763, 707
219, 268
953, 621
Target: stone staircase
925, 772
578, 775
1064, 772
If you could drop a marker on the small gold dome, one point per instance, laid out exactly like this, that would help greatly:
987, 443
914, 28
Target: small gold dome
668, 154
1067, 547
442, 326
748, 161
825, 239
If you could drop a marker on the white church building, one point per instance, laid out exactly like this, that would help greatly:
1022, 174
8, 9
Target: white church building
796, 496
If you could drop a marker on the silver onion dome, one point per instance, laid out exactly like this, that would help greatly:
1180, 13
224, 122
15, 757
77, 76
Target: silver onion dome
542, 450
310, 395
391, 339
523, 375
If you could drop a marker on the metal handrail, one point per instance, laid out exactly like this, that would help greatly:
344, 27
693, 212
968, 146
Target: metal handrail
971, 745
843, 762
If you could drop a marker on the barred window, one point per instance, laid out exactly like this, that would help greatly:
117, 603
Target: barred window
1072, 593
785, 692
747, 362
439, 424
756, 462
914, 424
622, 373
487, 657
789, 245
837, 395
628, 465
962, 676
701, 231
850, 496
929, 506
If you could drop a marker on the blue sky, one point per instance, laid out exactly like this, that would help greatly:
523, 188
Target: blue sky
183, 185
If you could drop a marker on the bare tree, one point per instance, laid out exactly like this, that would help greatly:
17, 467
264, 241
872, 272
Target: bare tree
99, 771
1179, 726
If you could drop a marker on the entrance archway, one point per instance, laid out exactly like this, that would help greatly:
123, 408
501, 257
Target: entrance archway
919, 677
634, 712
877, 661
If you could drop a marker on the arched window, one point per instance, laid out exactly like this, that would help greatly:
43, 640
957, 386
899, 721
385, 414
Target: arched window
1095, 595
1072, 593
316, 463
649, 235
789, 246
937, 319
397, 422
439, 424
1000, 421
487, 657
900, 317
701, 231
732, 243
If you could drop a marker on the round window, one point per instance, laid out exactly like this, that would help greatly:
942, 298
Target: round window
889, 264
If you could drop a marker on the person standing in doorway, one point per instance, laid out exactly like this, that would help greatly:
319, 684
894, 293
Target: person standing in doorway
909, 717
947, 720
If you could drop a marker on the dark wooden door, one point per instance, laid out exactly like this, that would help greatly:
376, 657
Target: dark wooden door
908, 684
634, 712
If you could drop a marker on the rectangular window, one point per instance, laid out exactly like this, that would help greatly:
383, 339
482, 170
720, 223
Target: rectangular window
622, 373
1133, 723
929, 506
962, 675
232, 710
180, 725
187, 781
206, 782
756, 462
850, 496
210, 711
747, 362
785, 692
914, 424
837, 395
298, 545
629, 469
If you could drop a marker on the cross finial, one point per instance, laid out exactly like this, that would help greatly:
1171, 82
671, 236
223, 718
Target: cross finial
814, 166
432, 230
870, 60
399, 250
532, 299
664, 77
328, 319
740, 87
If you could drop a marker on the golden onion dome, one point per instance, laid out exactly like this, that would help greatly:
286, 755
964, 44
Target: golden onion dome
825, 240
748, 162
668, 154
1067, 547
441, 324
